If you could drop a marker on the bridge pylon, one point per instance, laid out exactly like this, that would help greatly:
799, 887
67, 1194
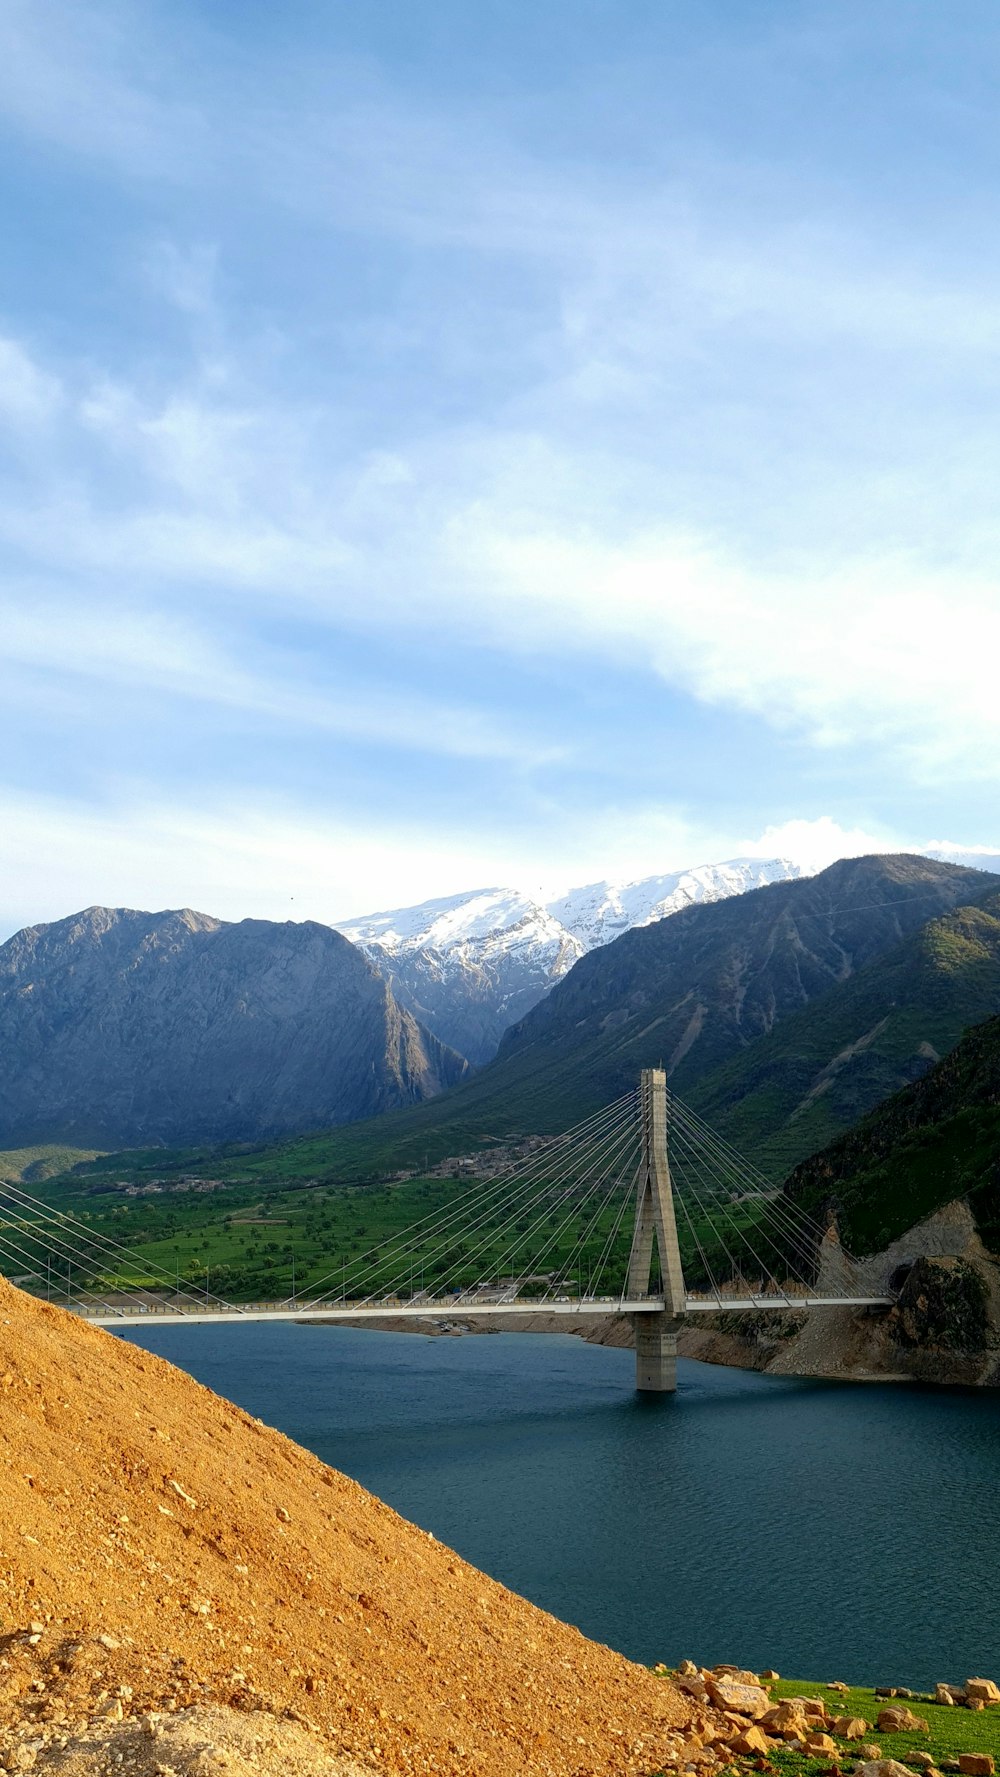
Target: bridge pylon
655, 1223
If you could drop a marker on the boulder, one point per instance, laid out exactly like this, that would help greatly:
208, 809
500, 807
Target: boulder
882, 1767
984, 1689
900, 1720
923, 1760
976, 1764
769, 1676
694, 1686
687, 1669
789, 1713
741, 1699
751, 1742
849, 1727
942, 1694
868, 1750
974, 1703
820, 1743
839, 1685
736, 1673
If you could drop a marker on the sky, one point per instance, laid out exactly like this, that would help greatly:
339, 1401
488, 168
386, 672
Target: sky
449, 445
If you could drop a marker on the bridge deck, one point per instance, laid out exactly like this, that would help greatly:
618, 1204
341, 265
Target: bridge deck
172, 1316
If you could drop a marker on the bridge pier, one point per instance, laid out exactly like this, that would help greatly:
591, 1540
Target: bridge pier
655, 1353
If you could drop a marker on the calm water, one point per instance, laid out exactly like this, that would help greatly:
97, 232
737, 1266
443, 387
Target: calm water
832, 1531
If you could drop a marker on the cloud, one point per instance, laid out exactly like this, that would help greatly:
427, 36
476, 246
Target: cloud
149, 654
29, 396
884, 652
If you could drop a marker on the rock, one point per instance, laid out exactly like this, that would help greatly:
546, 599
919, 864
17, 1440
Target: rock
695, 1687
883, 1767
869, 1750
839, 1685
820, 1743
770, 1676
901, 1720
942, 1694
286, 1517
687, 1669
976, 1764
984, 1689
849, 1727
974, 1703
737, 1674
742, 1699
923, 1760
752, 1741
789, 1712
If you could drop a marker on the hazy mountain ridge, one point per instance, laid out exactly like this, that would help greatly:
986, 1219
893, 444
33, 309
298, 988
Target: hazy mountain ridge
120, 1027
470, 965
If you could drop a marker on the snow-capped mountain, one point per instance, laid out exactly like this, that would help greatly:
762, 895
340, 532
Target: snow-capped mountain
603, 910
476, 962
468, 966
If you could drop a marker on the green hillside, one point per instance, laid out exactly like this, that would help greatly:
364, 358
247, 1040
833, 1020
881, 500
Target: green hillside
825, 1067
29, 1165
933, 1142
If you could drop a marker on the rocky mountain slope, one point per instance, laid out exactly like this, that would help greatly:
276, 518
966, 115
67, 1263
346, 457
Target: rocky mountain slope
124, 1028
160, 1549
470, 965
915, 1192
693, 992
823, 1068
935, 1141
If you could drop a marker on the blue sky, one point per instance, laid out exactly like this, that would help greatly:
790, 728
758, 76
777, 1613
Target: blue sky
447, 444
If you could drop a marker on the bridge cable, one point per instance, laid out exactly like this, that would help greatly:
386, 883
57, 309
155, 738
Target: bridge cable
408, 1241
531, 1188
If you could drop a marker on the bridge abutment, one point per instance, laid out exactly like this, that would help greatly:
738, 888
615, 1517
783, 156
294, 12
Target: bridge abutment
655, 1353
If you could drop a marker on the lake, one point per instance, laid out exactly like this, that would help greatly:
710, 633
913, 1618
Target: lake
829, 1530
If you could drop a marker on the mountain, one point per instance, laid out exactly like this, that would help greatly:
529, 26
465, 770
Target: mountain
824, 1067
935, 1141
470, 965
693, 991
602, 911
123, 1028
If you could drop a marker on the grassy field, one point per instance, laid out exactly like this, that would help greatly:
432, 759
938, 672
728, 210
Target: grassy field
247, 1242
951, 1731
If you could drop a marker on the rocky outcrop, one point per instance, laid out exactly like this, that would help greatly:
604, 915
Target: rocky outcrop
945, 1326
120, 1028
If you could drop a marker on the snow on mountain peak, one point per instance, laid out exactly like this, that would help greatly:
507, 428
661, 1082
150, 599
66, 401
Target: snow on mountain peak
477, 917
601, 911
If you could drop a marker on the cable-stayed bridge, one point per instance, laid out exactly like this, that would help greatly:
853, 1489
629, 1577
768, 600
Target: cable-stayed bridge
640, 1210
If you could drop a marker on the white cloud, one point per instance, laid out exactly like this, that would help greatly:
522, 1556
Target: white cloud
239, 858
29, 396
884, 652
149, 654
233, 858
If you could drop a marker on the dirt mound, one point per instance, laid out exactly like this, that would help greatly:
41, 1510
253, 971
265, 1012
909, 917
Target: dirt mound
205, 1742
160, 1549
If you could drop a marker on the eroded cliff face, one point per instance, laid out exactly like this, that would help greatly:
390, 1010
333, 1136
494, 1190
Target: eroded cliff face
120, 1028
944, 1328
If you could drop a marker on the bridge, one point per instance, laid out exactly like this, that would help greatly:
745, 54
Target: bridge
587, 1224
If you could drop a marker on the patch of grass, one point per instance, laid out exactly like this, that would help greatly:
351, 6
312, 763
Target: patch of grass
951, 1731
